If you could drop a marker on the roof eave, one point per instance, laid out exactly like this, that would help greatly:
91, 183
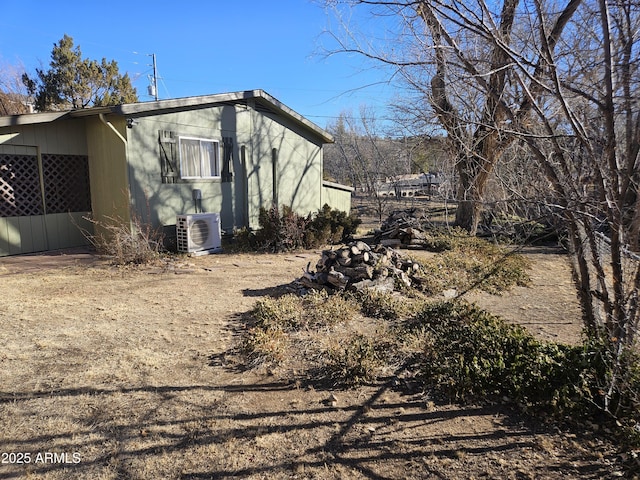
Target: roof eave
160, 106
30, 118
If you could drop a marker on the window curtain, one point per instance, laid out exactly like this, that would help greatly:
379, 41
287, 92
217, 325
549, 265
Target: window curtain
209, 160
190, 158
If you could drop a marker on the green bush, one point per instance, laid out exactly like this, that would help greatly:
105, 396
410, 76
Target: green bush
467, 353
330, 226
282, 229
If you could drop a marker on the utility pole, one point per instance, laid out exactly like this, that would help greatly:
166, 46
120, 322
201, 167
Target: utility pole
153, 88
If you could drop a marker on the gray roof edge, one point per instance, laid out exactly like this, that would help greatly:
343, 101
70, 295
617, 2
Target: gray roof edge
30, 118
141, 108
337, 186
183, 102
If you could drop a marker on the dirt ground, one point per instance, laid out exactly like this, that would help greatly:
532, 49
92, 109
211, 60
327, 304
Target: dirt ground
112, 373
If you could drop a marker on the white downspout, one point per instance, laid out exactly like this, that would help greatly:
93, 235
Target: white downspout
110, 125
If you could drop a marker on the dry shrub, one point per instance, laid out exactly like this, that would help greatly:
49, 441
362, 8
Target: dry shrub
322, 308
265, 346
291, 313
475, 263
284, 313
134, 242
282, 230
355, 360
280, 324
383, 305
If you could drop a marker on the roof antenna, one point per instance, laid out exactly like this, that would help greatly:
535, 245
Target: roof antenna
153, 88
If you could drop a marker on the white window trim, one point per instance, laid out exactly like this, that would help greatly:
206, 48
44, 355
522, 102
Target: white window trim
200, 139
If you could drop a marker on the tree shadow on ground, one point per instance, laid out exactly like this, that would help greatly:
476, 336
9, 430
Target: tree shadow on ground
368, 436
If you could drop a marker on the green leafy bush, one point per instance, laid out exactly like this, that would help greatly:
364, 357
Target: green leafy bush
282, 229
330, 226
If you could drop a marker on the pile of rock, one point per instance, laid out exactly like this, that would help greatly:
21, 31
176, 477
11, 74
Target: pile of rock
403, 228
358, 266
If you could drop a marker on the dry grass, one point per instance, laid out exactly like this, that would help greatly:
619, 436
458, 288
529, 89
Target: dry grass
132, 369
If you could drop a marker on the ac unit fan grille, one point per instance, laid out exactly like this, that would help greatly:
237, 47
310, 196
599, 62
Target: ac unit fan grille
199, 231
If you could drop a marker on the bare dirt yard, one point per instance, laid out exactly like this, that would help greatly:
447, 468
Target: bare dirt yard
121, 373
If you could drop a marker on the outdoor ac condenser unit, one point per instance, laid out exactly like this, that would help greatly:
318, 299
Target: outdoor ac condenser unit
198, 232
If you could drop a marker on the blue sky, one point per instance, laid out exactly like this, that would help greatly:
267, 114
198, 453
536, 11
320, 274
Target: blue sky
204, 47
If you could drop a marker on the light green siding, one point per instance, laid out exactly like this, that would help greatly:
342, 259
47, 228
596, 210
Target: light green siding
61, 137
161, 202
298, 166
12, 231
337, 196
39, 233
66, 229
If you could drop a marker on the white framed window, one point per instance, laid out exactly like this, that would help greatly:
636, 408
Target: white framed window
199, 157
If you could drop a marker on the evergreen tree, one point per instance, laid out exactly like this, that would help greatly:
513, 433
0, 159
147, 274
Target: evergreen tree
73, 82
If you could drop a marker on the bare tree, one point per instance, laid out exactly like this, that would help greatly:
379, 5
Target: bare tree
14, 97
578, 115
589, 151
364, 157
457, 55
563, 79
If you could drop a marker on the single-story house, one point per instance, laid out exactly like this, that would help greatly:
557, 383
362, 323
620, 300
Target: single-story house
230, 154
412, 185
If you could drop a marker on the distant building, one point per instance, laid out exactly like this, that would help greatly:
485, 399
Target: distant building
416, 185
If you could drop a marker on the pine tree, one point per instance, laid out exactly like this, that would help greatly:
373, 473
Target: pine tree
73, 82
